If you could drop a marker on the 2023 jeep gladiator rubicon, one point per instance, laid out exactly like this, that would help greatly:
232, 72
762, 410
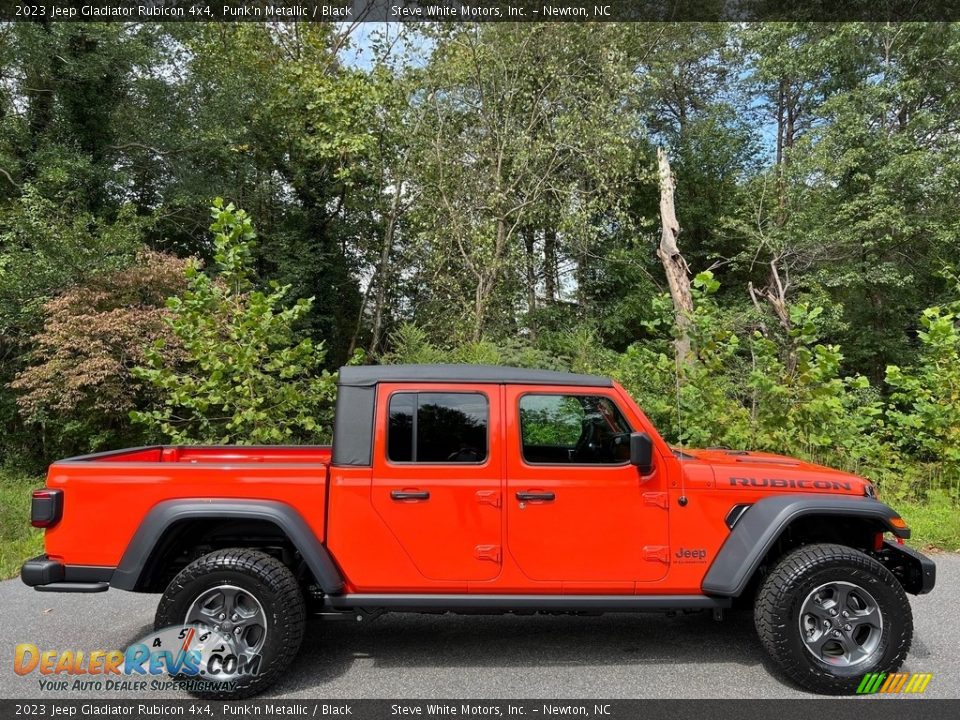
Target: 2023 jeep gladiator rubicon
486, 489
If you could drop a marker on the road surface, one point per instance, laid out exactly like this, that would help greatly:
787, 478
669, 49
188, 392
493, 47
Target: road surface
450, 656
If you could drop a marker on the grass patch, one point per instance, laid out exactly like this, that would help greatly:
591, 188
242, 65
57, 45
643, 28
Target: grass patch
18, 541
935, 523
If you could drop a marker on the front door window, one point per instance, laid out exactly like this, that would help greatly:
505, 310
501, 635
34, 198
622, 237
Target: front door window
573, 429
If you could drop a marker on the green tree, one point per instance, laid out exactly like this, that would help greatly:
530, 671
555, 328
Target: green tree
512, 160
924, 410
246, 376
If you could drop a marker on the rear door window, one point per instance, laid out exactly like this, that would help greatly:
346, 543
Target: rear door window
438, 427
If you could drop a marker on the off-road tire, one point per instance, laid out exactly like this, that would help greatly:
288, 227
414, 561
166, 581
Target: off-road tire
274, 587
783, 592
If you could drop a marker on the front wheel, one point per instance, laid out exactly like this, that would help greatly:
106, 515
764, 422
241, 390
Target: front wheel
829, 614
248, 609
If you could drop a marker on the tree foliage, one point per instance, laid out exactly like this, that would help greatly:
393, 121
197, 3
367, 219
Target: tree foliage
245, 376
924, 413
488, 193
79, 386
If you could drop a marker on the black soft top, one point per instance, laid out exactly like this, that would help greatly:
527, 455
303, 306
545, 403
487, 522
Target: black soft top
369, 375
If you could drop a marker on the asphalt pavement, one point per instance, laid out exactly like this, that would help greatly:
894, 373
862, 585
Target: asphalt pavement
463, 657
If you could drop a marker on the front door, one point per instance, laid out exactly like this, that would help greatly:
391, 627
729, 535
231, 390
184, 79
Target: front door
437, 478
577, 511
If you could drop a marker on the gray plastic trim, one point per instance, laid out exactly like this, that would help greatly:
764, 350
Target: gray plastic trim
508, 603
165, 514
760, 526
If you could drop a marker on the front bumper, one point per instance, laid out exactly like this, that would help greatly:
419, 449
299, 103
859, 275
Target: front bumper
915, 571
47, 575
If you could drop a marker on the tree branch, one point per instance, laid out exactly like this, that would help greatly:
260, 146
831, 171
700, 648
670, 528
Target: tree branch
10, 179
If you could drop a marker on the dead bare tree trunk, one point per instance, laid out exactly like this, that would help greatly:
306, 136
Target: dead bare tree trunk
529, 242
550, 265
674, 266
382, 272
775, 292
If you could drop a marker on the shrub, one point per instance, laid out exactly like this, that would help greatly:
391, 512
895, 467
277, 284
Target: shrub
79, 388
247, 376
744, 390
924, 409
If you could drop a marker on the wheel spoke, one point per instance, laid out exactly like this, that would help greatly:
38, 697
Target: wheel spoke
854, 650
814, 607
205, 613
229, 600
841, 596
817, 643
870, 616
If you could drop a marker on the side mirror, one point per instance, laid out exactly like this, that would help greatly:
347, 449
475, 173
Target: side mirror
641, 452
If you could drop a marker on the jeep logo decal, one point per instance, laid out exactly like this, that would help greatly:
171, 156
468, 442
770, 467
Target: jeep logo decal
691, 555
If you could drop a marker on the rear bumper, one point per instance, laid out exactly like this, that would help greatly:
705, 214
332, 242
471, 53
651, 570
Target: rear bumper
47, 575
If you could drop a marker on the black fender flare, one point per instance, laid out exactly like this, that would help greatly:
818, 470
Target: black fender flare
758, 528
164, 514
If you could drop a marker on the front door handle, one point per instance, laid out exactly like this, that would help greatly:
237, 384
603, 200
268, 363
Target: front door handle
536, 496
410, 494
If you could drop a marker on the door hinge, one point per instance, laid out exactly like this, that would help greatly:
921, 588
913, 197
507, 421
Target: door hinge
659, 499
660, 553
488, 497
488, 552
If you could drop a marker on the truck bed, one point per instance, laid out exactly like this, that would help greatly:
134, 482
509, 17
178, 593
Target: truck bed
117, 489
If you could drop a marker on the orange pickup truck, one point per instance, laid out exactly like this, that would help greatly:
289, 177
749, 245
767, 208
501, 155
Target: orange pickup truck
486, 489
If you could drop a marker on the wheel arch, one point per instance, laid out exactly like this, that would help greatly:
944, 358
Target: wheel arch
768, 524
168, 527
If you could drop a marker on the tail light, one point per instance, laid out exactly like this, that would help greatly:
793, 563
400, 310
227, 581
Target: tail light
46, 508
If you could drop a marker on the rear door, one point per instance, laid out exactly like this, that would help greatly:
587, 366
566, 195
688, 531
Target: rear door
577, 511
437, 475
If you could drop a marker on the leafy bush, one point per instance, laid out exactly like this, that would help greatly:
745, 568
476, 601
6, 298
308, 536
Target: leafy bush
745, 390
924, 409
246, 376
80, 388
46, 246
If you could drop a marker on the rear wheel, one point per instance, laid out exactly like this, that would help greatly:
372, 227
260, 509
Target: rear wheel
249, 604
829, 614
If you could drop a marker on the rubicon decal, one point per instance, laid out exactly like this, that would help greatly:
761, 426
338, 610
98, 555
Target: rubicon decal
792, 483
894, 683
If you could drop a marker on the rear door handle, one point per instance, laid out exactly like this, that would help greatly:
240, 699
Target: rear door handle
410, 494
536, 496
